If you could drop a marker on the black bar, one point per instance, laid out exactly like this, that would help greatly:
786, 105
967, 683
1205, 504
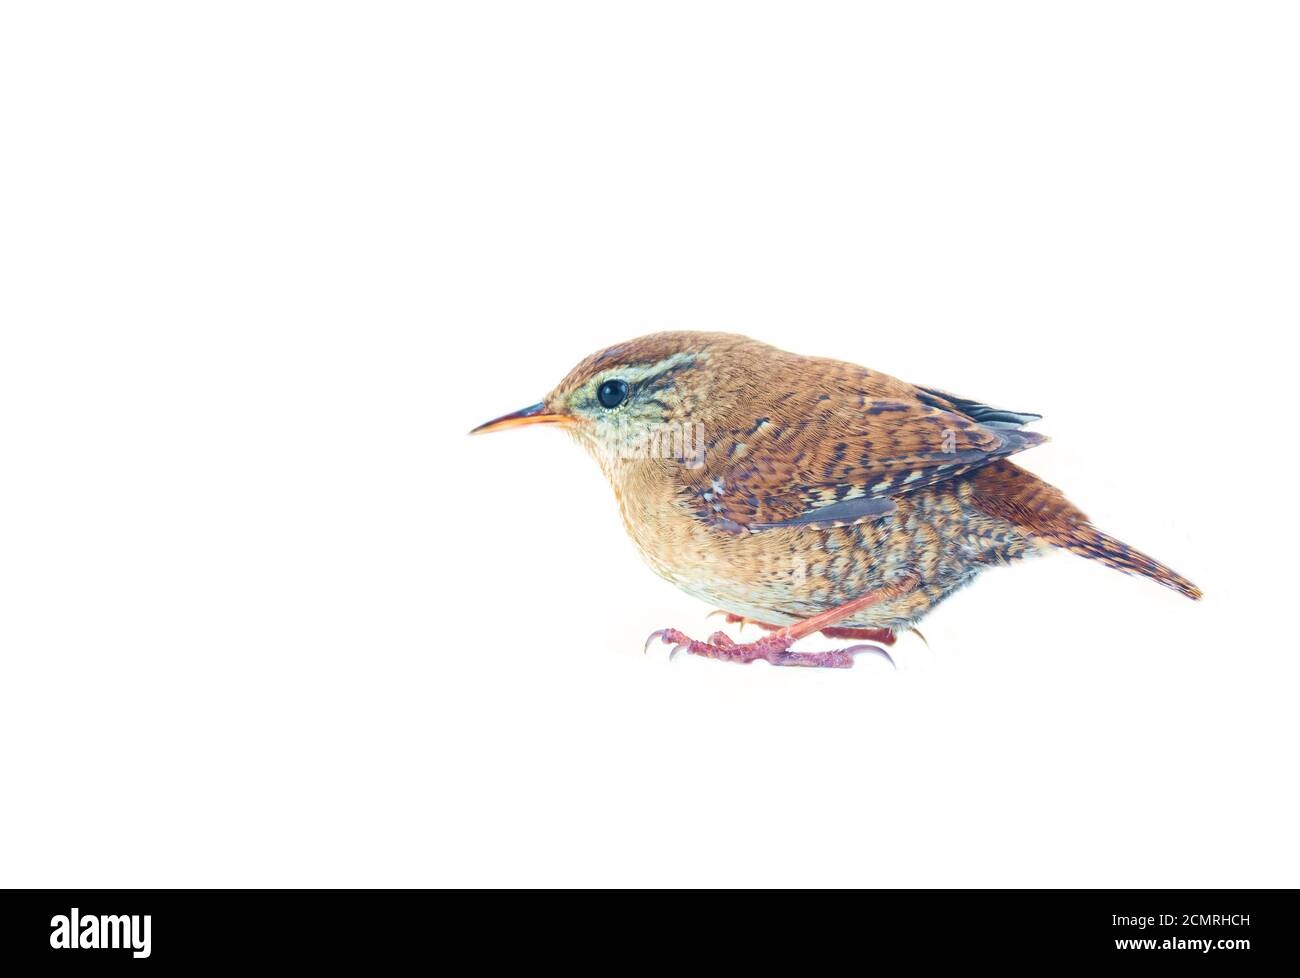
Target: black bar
1224, 930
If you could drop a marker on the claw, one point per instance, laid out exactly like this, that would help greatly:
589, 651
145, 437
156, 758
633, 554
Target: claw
917, 633
873, 650
677, 648
653, 635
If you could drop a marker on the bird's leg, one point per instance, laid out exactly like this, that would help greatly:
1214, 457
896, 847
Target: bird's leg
882, 635
775, 648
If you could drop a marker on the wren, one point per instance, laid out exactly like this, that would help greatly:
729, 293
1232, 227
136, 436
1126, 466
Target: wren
807, 494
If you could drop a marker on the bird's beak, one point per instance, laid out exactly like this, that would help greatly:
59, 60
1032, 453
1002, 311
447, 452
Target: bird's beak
536, 414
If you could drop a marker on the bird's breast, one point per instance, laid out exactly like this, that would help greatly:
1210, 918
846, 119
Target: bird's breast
769, 576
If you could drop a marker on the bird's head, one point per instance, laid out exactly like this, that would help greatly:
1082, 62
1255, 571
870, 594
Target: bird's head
650, 397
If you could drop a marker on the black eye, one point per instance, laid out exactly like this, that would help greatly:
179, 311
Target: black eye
612, 393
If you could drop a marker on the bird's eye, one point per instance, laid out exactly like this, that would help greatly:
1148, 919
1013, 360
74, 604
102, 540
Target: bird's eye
612, 393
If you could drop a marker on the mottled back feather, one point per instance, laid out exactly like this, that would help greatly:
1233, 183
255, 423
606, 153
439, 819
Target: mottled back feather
852, 439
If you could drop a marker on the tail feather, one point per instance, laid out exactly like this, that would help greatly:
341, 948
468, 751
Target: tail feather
1008, 492
1087, 541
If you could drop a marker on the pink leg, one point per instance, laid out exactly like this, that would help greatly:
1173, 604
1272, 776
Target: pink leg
882, 635
775, 648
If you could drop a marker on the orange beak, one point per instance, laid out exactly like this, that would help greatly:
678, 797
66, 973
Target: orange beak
529, 415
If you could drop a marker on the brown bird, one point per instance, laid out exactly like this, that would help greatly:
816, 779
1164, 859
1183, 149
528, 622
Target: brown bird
807, 494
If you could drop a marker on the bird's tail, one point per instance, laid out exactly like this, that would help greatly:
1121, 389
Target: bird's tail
1087, 541
1008, 492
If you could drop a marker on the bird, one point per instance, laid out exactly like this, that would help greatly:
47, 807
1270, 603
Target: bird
806, 494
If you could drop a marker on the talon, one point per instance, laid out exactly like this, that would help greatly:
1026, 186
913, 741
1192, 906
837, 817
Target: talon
677, 648
873, 650
917, 632
666, 635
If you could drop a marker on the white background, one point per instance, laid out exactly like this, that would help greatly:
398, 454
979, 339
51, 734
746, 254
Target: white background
268, 616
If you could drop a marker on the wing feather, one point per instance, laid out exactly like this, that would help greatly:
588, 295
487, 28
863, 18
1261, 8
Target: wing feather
859, 439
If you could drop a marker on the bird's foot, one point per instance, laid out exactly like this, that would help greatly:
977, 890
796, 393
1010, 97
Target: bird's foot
774, 649
882, 635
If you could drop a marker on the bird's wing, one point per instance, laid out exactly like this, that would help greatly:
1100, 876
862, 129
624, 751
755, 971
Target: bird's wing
854, 446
